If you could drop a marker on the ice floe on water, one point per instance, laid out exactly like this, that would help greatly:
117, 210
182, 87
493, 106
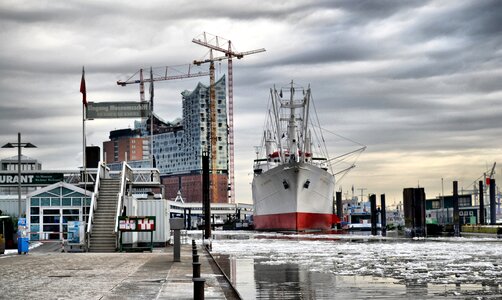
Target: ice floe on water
430, 260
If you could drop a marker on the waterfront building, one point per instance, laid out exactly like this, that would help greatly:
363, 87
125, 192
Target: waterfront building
440, 210
125, 144
178, 145
27, 164
49, 210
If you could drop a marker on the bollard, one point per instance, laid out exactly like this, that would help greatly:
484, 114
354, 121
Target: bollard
195, 258
177, 224
177, 246
194, 251
198, 288
196, 269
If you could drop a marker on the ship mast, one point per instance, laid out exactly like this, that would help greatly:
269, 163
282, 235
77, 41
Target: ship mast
306, 140
292, 134
277, 122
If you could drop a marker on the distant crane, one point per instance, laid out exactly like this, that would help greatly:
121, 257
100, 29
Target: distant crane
229, 54
492, 172
168, 73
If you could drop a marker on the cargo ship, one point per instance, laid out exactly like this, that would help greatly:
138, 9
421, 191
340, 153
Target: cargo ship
292, 188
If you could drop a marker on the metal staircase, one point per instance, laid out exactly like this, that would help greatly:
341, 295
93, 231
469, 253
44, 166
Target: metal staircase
103, 237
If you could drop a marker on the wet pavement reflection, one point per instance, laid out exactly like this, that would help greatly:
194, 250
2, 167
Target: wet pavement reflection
285, 266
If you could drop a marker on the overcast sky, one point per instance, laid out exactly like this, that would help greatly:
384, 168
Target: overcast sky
418, 82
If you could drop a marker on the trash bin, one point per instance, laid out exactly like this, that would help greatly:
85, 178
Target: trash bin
23, 245
22, 236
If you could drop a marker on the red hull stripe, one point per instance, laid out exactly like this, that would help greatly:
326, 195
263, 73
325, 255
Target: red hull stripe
294, 221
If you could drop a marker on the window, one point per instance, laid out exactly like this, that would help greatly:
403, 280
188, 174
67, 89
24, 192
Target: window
464, 201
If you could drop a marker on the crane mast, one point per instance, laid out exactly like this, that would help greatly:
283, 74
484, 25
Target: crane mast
228, 54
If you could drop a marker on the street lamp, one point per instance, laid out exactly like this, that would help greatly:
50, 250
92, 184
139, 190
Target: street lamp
19, 145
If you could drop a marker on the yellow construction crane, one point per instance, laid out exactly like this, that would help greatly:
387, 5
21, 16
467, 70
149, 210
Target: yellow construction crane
217, 43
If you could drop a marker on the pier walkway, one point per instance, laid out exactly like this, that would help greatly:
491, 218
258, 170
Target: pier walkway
47, 273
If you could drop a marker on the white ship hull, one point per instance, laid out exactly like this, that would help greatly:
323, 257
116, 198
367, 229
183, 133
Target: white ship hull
293, 196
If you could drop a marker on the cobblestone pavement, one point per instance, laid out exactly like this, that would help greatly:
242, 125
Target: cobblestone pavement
47, 273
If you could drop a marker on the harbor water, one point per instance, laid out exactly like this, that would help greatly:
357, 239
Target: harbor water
334, 266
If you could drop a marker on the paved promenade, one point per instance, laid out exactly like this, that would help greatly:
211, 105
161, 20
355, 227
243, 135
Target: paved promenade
46, 273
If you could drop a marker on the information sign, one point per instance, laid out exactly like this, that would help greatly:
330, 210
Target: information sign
117, 110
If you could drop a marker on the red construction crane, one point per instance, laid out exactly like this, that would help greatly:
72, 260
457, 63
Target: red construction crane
229, 54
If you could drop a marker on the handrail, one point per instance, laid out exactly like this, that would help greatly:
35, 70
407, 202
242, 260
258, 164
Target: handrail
102, 172
125, 176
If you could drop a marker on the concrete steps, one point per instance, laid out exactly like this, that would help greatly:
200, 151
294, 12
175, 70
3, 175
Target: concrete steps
103, 238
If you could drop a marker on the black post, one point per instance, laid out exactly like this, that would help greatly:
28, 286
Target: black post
456, 217
198, 288
383, 215
339, 209
196, 269
205, 195
414, 212
373, 214
481, 204
189, 219
493, 208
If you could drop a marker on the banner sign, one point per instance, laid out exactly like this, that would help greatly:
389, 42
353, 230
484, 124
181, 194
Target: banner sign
31, 179
117, 110
137, 223
76, 232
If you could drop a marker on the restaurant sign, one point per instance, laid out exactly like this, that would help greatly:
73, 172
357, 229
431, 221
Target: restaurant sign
31, 179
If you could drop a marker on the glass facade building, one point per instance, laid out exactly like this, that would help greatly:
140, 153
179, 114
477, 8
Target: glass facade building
179, 150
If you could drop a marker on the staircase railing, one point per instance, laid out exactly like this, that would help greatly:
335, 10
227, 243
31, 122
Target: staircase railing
146, 175
102, 172
125, 176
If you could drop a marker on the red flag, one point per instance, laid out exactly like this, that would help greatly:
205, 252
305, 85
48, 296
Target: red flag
82, 88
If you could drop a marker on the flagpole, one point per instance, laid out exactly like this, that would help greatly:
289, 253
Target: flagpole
84, 104
83, 148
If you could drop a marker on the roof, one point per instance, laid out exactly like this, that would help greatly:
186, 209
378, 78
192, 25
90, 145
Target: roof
59, 184
14, 158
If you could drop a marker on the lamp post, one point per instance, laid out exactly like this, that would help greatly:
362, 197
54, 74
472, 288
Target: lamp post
19, 145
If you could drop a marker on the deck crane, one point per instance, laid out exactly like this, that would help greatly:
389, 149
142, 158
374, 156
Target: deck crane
229, 54
168, 73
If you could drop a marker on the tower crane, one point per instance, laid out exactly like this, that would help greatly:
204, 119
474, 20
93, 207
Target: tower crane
212, 123
229, 53
168, 73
